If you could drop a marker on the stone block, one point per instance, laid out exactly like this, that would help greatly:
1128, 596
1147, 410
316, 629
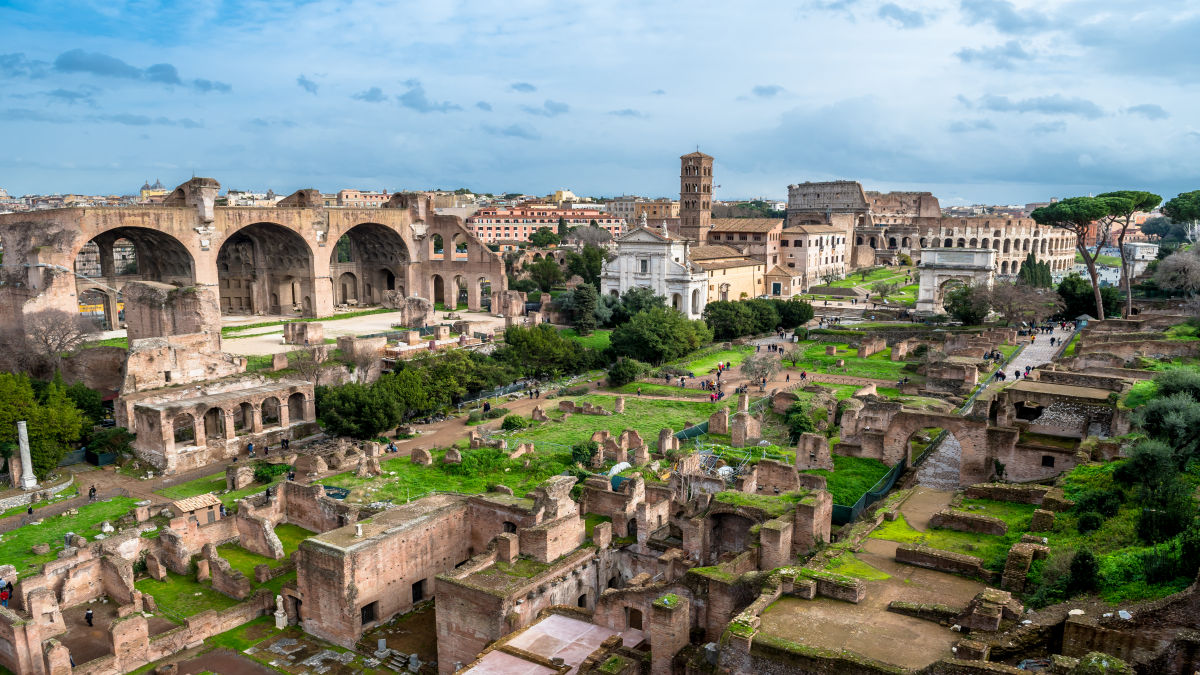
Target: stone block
453, 456
1043, 521
202, 573
718, 422
619, 405
539, 414
507, 547
279, 362
830, 350
155, 568
421, 457
972, 650
602, 535
964, 521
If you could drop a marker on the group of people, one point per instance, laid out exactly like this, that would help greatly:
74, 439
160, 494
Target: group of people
6, 590
532, 392
828, 321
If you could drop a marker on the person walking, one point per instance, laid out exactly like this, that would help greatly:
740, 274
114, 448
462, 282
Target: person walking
92, 493
4, 597
286, 444
788, 378
88, 616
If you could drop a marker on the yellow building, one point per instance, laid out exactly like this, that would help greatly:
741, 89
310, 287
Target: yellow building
656, 210
730, 275
148, 191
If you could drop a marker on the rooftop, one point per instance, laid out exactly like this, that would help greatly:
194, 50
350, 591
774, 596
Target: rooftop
391, 521
729, 264
814, 229
745, 224
556, 635
1072, 391
713, 251
198, 502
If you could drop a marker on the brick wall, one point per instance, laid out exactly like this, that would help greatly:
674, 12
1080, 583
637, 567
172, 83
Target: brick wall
965, 521
942, 561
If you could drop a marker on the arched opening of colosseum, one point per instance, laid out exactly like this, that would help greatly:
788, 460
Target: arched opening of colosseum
375, 255
347, 289
730, 534
94, 306
948, 243
924, 242
962, 243
437, 247
270, 412
184, 426
891, 242
214, 425
1043, 248
1007, 245
906, 242
243, 417
974, 242
126, 254
1004, 267
260, 268
439, 290
858, 241
296, 405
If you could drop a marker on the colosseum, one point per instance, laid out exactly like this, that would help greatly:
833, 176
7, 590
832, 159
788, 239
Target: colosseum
885, 226
297, 258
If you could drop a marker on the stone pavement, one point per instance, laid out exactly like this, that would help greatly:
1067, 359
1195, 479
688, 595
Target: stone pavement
1036, 353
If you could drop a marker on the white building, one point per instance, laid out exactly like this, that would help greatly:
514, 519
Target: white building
811, 252
1140, 254
655, 259
623, 207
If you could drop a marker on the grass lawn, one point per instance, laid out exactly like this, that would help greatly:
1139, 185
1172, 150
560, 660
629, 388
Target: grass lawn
840, 391
896, 274
17, 543
708, 362
1101, 260
69, 493
850, 566
599, 339
245, 561
1185, 331
215, 484
877, 366
480, 469
659, 389
851, 477
246, 635
990, 548
647, 416
179, 596
121, 342
1016, 515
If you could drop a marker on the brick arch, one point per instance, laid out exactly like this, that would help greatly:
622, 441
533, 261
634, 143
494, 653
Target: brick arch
979, 442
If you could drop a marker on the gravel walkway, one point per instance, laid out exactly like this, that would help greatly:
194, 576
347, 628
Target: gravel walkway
940, 470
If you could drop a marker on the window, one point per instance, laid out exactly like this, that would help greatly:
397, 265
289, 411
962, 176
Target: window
368, 612
784, 242
1048, 460
644, 266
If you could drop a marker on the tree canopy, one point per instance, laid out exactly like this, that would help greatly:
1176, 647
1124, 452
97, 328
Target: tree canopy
544, 237
52, 420
545, 273
1079, 298
1077, 215
968, 304
658, 335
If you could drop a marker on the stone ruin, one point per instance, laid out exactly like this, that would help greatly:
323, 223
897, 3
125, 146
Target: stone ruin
745, 428
303, 333
587, 408
812, 452
415, 312
539, 414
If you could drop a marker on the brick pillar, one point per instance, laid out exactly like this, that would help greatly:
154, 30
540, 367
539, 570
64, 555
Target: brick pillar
199, 437
670, 627
256, 418
284, 414
775, 538
230, 432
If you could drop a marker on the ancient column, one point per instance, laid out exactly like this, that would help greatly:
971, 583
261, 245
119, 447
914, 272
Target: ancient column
28, 480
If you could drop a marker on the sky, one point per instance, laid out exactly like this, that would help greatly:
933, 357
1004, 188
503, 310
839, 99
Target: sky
977, 101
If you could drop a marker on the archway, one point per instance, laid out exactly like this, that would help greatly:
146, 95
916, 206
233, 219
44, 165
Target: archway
214, 425
296, 405
136, 251
461, 295
376, 256
1004, 267
184, 426
633, 618
1007, 245
461, 252
921, 442
259, 268
974, 242
270, 412
677, 302
439, 291
695, 306
906, 242
962, 243
347, 288
949, 243
243, 417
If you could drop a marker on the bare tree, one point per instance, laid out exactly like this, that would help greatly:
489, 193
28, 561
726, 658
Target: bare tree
759, 366
54, 333
793, 355
1018, 302
1180, 271
309, 363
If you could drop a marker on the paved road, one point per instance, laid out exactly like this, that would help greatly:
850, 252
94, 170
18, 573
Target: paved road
1036, 353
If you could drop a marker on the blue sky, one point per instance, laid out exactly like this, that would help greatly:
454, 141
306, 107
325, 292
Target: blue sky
976, 100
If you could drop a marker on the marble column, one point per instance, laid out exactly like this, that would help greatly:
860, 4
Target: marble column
28, 480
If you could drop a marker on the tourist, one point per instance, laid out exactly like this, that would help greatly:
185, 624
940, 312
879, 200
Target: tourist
1016, 374
266, 449
487, 407
639, 391
250, 448
1052, 342
803, 375
88, 616
92, 493
286, 444
4, 597
788, 378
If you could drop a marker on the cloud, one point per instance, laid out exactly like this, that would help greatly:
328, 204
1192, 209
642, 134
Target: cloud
659, 92
103, 65
415, 99
71, 97
1048, 127
27, 115
963, 126
95, 63
512, 131
1150, 111
201, 84
907, 18
549, 109
1000, 57
16, 65
307, 85
523, 87
266, 123
483, 105
627, 112
129, 119
1056, 104
766, 90
372, 95
1003, 15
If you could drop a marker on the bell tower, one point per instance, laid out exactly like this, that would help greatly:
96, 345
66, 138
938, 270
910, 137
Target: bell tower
695, 195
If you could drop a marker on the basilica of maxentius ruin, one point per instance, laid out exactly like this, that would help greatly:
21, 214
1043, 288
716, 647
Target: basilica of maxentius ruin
686, 560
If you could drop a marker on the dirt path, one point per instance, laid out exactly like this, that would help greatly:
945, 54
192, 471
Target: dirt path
923, 503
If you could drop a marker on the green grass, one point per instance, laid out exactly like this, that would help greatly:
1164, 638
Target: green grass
773, 505
17, 543
1070, 350
990, 548
1046, 439
599, 339
193, 488
215, 484
121, 342
1189, 330
1101, 260
896, 274
244, 561
851, 477
653, 389
647, 416
591, 520
179, 596
1016, 515
238, 639
70, 492
851, 566
840, 391
877, 366
708, 362
1140, 394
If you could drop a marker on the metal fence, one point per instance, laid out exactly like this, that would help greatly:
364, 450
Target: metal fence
845, 514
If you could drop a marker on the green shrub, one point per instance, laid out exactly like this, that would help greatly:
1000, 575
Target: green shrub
574, 391
626, 370
496, 413
1085, 573
475, 416
513, 422
1102, 502
582, 453
1089, 521
265, 473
